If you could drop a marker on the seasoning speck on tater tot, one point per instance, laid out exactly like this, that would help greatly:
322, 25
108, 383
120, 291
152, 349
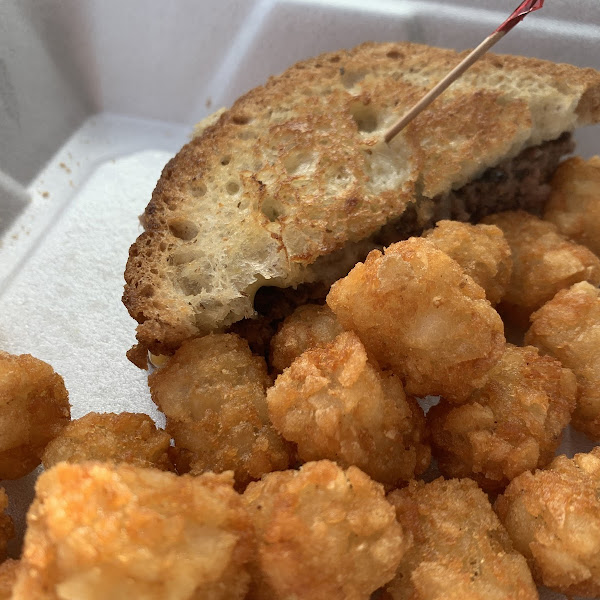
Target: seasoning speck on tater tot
418, 313
553, 518
322, 533
480, 250
574, 204
333, 403
124, 437
544, 262
568, 328
100, 530
460, 550
213, 392
309, 326
512, 424
34, 407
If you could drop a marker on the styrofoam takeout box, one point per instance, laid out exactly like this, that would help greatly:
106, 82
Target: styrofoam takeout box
96, 95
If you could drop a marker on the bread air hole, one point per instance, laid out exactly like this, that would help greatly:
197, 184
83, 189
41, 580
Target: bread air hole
394, 54
197, 189
271, 208
183, 229
365, 118
241, 119
183, 256
298, 163
232, 187
225, 160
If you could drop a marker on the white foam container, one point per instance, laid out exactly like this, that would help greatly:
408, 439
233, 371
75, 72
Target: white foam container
96, 96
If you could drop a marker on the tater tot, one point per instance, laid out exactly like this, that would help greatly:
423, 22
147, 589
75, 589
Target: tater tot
460, 550
544, 262
34, 407
7, 528
124, 437
513, 424
213, 392
307, 327
322, 533
553, 518
417, 313
568, 328
8, 575
574, 205
480, 250
100, 530
334, 404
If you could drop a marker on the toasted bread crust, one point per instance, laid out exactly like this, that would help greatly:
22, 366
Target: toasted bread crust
296, 171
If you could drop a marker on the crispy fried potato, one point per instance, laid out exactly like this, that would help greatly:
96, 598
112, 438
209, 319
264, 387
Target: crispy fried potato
124, 437
418, 313
213, 392
99, 530
322, 533
272, 305
513, 424
334, 404
7, 528
307, 327
9, 570
544, 262
574, 205
553, 518
8, 575
480, 250
568, 327
460, 550
34, 407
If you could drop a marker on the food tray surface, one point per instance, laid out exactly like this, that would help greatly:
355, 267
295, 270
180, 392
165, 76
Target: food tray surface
96, 96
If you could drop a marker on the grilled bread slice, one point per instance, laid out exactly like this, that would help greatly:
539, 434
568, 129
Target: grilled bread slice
293, 184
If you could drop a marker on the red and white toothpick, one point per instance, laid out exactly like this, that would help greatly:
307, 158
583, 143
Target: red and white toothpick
516, 17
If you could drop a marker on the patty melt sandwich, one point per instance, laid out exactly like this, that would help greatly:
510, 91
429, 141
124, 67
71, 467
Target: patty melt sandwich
293, 184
